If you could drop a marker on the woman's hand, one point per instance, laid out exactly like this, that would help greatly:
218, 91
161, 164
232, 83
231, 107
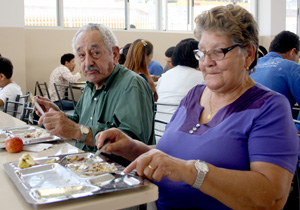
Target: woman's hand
121, 144
156, 164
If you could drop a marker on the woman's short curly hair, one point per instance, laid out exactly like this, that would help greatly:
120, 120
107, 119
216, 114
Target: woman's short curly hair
232, 21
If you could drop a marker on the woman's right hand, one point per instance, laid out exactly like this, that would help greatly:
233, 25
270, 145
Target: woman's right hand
121, 144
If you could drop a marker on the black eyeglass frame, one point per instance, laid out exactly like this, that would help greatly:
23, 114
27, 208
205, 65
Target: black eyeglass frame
224, 50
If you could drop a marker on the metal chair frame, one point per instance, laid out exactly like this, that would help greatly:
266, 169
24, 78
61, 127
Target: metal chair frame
39, 87
17, 102
68, 89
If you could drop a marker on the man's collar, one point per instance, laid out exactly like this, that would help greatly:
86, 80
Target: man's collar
109, 80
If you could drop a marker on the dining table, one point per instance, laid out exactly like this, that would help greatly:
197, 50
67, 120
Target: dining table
11, 198
78, 85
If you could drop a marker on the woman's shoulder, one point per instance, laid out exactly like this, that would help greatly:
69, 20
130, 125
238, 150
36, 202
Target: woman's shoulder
258, 96
193, 96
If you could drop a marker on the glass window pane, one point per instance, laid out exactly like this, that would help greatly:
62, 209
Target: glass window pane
204, 5
291, 15
40, 12
108, 12
143, 14
184, 21
179, 21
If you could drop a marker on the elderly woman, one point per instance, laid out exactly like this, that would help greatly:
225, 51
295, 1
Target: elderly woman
231, 144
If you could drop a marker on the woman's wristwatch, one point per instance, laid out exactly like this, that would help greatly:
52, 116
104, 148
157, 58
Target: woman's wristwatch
202, 170
84, 133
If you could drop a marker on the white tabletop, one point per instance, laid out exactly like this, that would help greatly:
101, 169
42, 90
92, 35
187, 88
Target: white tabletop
11, 198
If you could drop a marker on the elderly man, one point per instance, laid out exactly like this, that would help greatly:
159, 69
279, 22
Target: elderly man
113, 96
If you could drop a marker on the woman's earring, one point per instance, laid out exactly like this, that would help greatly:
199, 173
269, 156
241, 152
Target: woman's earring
247, 68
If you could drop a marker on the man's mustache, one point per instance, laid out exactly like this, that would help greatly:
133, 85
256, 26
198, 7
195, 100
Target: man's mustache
91, 68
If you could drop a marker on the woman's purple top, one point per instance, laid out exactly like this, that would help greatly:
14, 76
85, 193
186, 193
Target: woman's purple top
258, 126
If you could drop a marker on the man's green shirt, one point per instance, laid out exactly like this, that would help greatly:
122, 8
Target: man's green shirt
124, 101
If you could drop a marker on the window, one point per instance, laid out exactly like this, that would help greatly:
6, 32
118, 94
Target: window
143, 14
165, 15
40, 13
291, 15
80, 12
188, 12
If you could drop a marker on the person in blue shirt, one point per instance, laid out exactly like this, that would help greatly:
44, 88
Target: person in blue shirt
155, 68
279, 69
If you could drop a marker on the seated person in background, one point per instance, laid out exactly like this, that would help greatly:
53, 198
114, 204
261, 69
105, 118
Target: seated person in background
113, 95
173, 85
155, 68
168, 58
232, 143
123, 53
169, 65
262, 51
8, 88
138, 58
279, 69
62, 75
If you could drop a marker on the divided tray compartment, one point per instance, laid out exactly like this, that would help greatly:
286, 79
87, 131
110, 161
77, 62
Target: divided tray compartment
57, 181
25, 132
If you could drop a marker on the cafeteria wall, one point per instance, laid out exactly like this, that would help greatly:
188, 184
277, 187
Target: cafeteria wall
36, 51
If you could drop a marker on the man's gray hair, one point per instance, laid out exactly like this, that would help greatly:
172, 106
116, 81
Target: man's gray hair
108, 36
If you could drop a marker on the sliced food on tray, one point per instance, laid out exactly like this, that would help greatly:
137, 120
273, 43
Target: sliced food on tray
94, 169
26, 161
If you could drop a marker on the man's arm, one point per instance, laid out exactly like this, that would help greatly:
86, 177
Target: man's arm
67, 75
135, 113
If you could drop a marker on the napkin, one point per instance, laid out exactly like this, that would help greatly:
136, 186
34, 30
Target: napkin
36, 147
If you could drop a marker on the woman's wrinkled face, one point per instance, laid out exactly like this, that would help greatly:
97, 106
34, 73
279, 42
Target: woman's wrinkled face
227, 73
95, 61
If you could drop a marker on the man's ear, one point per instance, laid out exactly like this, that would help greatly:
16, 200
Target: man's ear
2, 76
290, 55
116, 54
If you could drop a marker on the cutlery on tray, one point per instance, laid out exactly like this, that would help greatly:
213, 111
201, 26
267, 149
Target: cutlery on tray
90, 161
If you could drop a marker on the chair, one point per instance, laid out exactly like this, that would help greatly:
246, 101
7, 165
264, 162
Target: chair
28, 114
41, 89
163, 117
293, 201
18, 106
65, 98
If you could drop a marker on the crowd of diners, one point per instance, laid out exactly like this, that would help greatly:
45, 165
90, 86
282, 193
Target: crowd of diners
231, 142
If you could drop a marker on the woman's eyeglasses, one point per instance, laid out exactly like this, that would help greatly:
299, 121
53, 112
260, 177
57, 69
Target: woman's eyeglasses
214, 54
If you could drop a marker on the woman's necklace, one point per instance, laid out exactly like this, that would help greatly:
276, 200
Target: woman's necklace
211, 113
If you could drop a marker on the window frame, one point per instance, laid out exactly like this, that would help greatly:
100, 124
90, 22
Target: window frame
161, 10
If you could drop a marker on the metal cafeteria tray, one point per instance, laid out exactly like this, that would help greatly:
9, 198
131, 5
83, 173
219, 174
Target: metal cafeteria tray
29, 135
57, 181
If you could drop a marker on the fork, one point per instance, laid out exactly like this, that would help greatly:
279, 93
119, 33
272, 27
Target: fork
90, 161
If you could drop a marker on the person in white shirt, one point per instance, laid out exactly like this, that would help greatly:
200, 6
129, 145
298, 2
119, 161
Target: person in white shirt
63, 75
175, 83
8, 88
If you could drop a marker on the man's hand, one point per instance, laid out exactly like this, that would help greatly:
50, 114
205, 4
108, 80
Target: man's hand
46, 104
57, 123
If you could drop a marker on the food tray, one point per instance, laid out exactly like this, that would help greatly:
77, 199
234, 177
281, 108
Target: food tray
29, 135
57, 181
